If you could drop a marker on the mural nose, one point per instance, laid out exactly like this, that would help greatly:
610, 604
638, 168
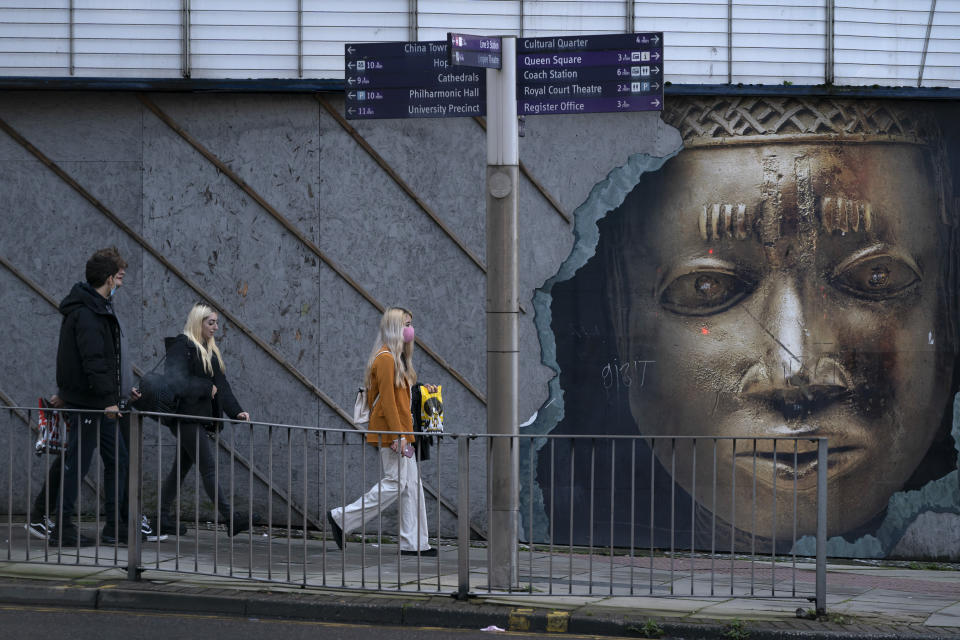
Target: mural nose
796, 376
783, 319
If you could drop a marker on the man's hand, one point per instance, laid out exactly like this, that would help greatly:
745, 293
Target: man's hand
243, 415
56, 402
113, 411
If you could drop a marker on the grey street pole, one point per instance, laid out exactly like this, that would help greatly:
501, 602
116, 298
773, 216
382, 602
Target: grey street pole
502, 317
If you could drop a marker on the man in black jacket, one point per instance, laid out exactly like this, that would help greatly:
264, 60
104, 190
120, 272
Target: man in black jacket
89, 377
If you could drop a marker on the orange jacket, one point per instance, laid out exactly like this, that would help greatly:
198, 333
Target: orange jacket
392, 410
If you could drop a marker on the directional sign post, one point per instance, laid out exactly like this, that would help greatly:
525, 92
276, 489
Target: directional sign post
535, 76
503, 307
409, 80
590, 74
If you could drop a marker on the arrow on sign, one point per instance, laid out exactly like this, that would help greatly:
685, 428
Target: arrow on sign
351, 94
351, 81
350, 65
655, 70
350, 110
350, 49
655, 55
655, 39
655, 102
655, 85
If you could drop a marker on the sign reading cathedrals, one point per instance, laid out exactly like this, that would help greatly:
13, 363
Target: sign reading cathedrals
590, 74
410, 80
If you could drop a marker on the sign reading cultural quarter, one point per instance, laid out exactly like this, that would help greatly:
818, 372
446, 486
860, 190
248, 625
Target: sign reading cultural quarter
410, 80
590, 74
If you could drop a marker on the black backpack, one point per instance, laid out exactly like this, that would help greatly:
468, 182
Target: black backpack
156, 394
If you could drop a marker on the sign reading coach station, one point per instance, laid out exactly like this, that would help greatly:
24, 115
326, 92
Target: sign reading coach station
410, 80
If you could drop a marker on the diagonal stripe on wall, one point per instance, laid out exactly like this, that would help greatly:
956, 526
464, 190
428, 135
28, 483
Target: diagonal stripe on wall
289, 226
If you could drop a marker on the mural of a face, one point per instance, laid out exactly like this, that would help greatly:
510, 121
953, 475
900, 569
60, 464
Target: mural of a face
789, 286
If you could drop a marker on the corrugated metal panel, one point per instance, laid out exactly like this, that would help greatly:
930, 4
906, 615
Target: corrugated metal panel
244, 38
34, 40
328, 24
706, 41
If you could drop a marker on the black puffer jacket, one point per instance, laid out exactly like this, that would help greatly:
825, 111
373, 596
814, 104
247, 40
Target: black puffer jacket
88, 356
184, 370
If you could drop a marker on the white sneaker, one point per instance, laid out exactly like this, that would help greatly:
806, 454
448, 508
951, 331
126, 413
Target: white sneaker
147, 529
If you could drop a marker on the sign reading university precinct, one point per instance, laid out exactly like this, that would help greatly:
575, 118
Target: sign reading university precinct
590, 74
410, 80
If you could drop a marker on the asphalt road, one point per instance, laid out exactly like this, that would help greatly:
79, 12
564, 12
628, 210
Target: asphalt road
95, 624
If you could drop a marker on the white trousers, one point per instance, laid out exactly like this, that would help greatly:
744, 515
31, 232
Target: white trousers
401, 479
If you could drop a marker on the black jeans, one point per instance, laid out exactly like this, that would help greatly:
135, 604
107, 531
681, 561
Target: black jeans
194, 447
43, 505
76, 463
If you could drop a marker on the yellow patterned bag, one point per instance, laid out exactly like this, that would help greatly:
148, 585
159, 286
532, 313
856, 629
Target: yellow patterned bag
431, 410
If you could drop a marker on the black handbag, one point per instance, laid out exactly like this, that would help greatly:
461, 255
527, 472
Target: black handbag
156, 394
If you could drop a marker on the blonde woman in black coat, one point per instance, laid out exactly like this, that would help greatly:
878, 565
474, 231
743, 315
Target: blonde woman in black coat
195, 368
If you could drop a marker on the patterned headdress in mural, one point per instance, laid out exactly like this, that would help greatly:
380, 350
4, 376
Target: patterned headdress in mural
723, 121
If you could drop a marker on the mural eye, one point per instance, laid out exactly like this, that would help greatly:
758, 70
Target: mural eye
876, 278
703, 293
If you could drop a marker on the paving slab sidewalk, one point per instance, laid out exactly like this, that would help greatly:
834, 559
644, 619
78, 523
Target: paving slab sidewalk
862, 601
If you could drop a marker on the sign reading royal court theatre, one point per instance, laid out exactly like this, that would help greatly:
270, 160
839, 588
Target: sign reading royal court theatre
410, 80
590, 74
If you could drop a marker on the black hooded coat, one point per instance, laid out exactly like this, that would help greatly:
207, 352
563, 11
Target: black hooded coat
192, 385
88, 355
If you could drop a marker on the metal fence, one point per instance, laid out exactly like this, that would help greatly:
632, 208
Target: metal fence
593, 517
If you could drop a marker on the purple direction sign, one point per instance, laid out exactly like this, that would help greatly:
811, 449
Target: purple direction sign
409, 80
474, 51
588, 105
590, 74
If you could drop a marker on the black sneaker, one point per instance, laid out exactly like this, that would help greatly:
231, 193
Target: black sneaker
147, 530
42, 528
168, 526
119, 537
426, 553
241, 523
337, 531
71, 537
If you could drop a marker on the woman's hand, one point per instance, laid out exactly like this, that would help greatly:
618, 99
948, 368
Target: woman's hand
398, 444
213, 392
243, 415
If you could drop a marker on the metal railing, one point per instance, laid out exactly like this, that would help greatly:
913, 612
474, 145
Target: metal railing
600, 515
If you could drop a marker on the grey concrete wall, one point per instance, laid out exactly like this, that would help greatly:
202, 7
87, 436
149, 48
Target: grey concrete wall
307, 166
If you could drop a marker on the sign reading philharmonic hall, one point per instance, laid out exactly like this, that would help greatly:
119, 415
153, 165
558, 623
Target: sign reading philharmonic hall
410, 80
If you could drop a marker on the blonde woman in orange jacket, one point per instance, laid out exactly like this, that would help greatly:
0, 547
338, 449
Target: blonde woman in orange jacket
388, 378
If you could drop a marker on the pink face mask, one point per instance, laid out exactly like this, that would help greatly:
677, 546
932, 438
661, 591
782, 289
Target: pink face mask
408, 334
